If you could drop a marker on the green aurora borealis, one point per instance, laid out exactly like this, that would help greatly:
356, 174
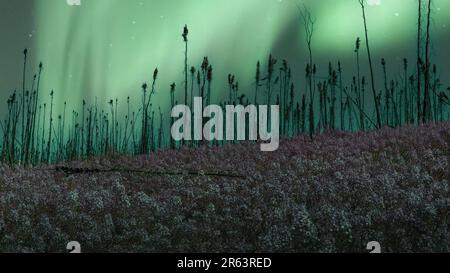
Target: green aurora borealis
108, 48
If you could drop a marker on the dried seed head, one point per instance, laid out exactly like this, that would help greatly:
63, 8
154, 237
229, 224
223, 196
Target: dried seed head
155, 74
358, 44
271, 64
230, 79
258, 72
185, 33
205, 63
209, 74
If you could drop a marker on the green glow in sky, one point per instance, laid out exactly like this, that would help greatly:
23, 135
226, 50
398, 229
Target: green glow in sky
108, 48
390, 22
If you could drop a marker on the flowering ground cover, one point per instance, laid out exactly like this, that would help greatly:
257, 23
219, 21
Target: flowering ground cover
333, 194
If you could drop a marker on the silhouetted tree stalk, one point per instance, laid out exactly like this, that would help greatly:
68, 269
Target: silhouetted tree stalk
309, 22
358, 69
377, 106
25, 52
426, 116
419, 59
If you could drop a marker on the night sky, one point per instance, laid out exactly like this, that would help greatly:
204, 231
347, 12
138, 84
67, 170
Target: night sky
108, 48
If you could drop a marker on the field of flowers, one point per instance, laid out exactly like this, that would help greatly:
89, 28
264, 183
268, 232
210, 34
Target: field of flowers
334, 194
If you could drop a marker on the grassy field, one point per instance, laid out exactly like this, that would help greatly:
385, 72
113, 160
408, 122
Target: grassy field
334, 194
